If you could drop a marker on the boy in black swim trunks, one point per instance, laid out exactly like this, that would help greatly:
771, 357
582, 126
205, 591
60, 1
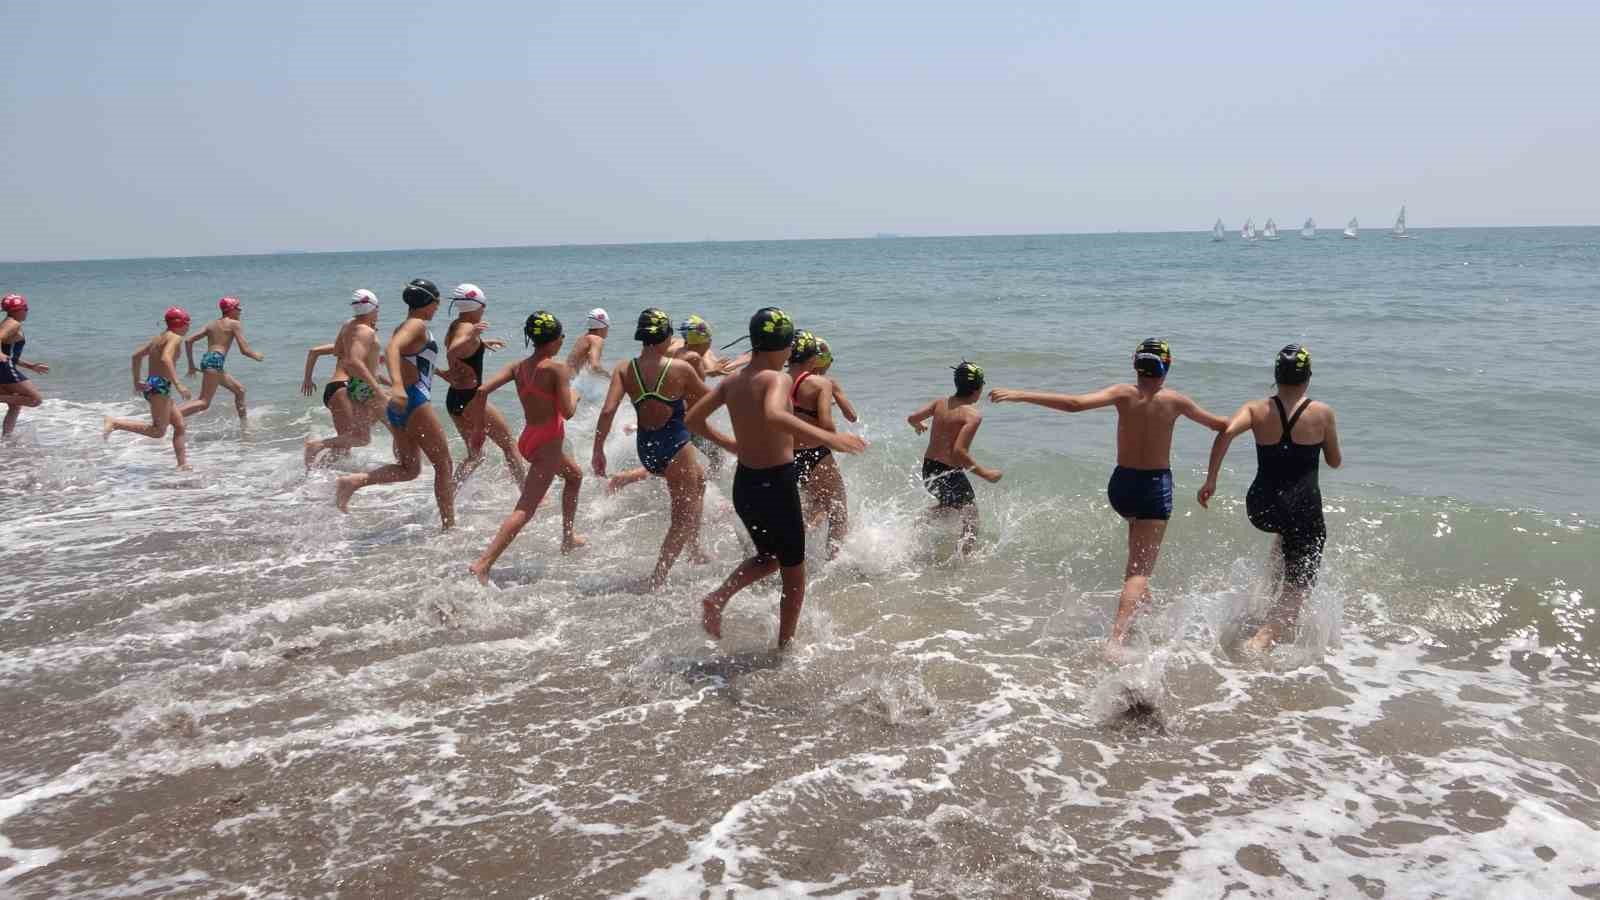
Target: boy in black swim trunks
1141, 486
945, 464
765, 493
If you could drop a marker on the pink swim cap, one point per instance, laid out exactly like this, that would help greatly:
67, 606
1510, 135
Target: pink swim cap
228, 304
177, 317
14, 303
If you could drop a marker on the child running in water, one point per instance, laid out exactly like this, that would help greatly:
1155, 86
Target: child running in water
949, 455
765, 492
351, 396
15, 391
157, 387
812, 397
586, 350
544, 385
465, 344
412, 355
1140, 489
693, 347
219, 335
823, 364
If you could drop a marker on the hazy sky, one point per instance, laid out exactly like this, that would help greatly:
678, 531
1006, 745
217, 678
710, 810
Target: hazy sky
176, 128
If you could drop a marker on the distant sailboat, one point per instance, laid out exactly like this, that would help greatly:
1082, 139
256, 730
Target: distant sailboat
1353, 229
1217, 232
1399, 229
1309, 229
1271, 231
1248, 232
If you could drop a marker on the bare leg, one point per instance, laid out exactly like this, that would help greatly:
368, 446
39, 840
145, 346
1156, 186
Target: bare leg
792, 598
622, 479
826, 488
1285, 613
499, 431
1144, 545
969, 528
179, 445
12, 411
429, 435
208, 388
343, 412
407, 465
547, 460
572, 481
232, 384
686, 486
749, 572
16, 396
161, 410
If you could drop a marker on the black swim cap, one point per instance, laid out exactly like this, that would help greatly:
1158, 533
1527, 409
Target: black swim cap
805, 347
969, 377
771, 329
541, 328
655, 326
420, 292
1293, 365
1153, 358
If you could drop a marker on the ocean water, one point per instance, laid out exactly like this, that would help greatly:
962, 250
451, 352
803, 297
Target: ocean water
216, 685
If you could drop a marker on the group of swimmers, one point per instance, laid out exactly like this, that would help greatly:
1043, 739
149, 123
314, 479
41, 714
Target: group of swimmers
780, 402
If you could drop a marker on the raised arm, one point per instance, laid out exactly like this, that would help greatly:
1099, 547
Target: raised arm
916, 419
307, 386
962, 451
602, 425
1232, 428
1108, 396
845, 406
1194, 412
776, 403
699, 415
1330, 443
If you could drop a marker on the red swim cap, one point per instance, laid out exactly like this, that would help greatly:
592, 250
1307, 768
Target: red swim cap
228, 304
14, 303
177, 317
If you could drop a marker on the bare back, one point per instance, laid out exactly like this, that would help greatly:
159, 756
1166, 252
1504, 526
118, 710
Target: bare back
220, 334
585, 351
547, 379
813, 399
1145, 419
948, 422
1311, 429
162, 354
760, 445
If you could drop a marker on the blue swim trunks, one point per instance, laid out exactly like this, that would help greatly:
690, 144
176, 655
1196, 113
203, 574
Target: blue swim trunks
156, 386
416, 398
213, 361
1141, 493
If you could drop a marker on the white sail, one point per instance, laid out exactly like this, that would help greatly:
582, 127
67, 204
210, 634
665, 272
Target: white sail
1271, 231
1353, 229
1217, 232
1248, 232
1309, 230
1399, 229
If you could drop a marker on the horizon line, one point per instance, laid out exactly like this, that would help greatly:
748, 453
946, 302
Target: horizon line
887, 235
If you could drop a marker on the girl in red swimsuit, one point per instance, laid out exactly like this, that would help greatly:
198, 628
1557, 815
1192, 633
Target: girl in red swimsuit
544, 385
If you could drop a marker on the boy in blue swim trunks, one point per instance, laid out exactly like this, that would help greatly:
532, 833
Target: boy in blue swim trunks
157, 387
1141, 485
219, 336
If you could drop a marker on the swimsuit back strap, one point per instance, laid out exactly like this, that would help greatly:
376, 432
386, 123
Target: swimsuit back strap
794, 392
661, 382
1288, 425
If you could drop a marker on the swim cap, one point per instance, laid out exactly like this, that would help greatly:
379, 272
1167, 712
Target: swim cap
228, 304
695, 330
803, 348
771, 329
1153, 358
470, 296
1293, 365
654, 327
597, 319
362, 302
969, 377
13, 303
420, 292
541, 328
824, 354
176, 317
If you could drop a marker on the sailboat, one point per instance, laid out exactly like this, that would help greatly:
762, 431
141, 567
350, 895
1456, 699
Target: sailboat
1399, 230
1309, 229
1217, 232
1271, 231
1248, 232
1353, 229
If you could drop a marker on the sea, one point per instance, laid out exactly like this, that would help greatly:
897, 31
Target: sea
215, 685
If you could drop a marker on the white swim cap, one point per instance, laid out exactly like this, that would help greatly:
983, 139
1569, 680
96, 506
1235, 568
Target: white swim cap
470, 296
597, 319
362, 302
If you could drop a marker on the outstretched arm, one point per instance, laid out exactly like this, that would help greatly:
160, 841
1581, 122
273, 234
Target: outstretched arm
845, 406
1232, 428
1063, 402
244, 345
1193, 411
312, 355
776, 403
602, 425
700, 413
922, 415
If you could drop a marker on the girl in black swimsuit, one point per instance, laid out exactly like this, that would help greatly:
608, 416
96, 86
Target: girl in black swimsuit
815, 468
464, 348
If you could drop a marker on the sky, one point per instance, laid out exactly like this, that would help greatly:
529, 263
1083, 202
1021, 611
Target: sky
184, 128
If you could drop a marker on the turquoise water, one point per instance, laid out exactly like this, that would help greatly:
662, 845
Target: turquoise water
218, 685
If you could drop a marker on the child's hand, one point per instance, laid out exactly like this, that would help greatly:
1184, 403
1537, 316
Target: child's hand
1207, 491
1003, 395
992, 476
846, 443
307, 387
918, 427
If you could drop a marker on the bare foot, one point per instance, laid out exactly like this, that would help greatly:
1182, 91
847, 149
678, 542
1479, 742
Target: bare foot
185, 467
342, 491
711, 617
105, 432
480, 571
1263, 640
311, 451
572, 543
698, 555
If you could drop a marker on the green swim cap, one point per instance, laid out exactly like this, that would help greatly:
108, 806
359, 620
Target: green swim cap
969, 377
695, 330
824, 354
655, 326
1293, 365
1153, 358
771, 329
541, 328
805, 347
